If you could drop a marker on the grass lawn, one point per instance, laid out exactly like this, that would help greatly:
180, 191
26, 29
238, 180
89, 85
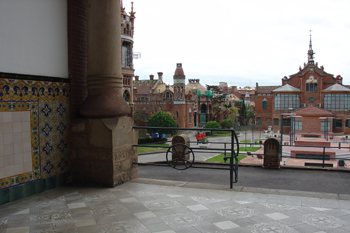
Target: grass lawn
255, 140
220, 157
152, 149
220, 134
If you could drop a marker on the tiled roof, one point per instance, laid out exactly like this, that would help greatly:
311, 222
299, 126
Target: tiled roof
143, 86
337, 87
286, 88
266, 89
312, 111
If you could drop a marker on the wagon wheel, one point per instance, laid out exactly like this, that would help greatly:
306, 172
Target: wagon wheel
182, 156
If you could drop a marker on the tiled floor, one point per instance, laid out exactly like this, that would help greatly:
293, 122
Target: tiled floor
140, 207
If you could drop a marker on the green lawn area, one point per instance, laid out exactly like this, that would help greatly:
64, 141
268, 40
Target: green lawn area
220, 157
152, 149
220, 134
255, 140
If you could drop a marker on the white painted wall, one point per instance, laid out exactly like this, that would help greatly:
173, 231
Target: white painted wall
33, 37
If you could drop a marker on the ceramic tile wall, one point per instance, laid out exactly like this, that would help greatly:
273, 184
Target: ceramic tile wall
34, 121
15, 146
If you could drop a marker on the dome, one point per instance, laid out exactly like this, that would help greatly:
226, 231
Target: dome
194, 85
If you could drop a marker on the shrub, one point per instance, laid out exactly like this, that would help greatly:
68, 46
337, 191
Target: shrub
212, 125
227, 123
143, 140
161, 119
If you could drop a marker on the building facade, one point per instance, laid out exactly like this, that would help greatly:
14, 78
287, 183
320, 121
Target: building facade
311, 101
190, 105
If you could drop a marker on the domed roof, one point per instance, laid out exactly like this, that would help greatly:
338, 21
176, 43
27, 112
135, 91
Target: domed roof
194, 84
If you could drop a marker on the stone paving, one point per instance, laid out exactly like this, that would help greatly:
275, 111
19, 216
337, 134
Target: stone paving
165, 206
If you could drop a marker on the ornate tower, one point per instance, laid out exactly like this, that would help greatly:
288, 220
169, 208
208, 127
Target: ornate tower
127, 33
179, 83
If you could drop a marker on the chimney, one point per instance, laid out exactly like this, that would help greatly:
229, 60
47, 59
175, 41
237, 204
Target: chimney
136, 78
151, 77
160, 76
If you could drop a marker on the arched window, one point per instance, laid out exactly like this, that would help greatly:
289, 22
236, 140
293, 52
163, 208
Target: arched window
126, 96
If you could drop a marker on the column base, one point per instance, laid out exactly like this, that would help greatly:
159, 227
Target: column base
104, 103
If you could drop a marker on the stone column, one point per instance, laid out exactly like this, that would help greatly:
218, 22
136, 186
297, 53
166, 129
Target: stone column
104, 76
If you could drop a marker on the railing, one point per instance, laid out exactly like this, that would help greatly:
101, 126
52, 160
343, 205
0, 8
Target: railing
188, 161
320, 159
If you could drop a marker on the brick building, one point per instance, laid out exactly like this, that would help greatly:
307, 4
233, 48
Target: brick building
127, 34
190, 105
318, 101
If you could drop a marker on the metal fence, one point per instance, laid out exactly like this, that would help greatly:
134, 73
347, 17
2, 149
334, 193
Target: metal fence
184, 158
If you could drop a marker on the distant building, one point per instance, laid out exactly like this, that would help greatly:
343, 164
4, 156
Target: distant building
127, 34
318, 101
190, 105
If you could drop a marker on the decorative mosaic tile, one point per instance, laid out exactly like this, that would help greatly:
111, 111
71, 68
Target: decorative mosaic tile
271, 227
48, 103
3, 223
124, 226
235, 212
161, 204
279, 207
178, 221
205, 200
322, 221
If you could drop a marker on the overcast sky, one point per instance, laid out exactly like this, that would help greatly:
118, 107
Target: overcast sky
240, 42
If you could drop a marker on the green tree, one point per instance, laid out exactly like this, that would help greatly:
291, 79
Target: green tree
245, 115
141, 117
212, 125
226, 111
227, 123
162, 119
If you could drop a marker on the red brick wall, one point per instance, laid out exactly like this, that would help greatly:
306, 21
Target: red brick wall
77, 53
264, 114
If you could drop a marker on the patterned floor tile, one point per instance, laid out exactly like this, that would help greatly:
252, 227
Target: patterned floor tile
277, 216
226, 225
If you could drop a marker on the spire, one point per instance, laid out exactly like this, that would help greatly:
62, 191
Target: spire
310, 53
122, 9
132, 13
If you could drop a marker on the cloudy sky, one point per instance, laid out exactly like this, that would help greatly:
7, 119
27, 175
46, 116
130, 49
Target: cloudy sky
240, 42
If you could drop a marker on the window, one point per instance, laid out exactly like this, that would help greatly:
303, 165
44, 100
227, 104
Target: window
142, 99
286, 122
311, 87
167, 96
126, 96
323, 124
337, 102
337, 123
287, 101
126, 54
264, 103
298, 125
276, 121
258, 121
347, 123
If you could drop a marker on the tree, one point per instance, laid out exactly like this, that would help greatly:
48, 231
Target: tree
161, 119
141, 117
245, 115
226, 111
